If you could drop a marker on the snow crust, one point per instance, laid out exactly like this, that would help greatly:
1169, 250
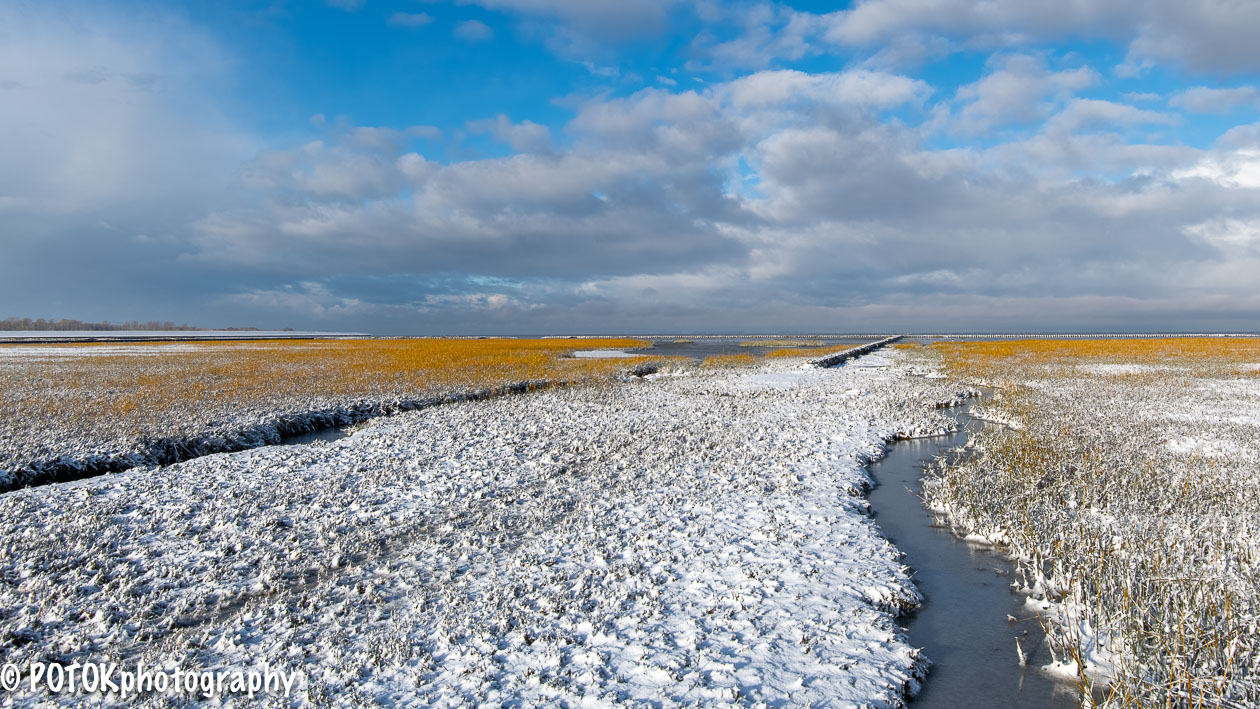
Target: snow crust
1119, 368
683, 540
1207, 447
604, 354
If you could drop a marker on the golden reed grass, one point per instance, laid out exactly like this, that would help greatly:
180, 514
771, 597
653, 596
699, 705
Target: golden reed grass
729, 360
803, 351
980, 358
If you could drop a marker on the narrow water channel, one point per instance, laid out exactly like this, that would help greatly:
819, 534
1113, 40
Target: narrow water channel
323, 434
963, 625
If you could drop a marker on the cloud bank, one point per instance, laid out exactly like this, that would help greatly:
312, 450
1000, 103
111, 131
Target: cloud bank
743, 194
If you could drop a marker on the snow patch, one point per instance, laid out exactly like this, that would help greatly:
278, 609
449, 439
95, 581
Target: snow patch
604, 354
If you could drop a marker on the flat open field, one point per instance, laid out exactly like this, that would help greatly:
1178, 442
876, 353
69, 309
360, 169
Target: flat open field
696, 536
1127, 482
693, 535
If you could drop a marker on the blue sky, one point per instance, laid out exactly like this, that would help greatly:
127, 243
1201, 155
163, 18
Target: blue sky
525, 166
405, 63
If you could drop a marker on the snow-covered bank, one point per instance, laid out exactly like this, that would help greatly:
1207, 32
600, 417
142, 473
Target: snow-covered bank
681, 540
239, 431
1127, 485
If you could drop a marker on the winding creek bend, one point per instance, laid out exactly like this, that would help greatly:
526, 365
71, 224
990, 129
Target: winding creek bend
962, 625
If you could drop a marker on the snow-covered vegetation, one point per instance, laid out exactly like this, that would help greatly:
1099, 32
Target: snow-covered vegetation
695, 539
77, 409
1128, 486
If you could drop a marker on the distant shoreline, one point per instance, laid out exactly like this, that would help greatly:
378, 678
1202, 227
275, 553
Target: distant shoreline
87, 336
71, 336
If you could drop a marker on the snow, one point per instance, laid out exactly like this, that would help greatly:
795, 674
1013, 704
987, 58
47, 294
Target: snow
1206, 447
684, 540
772, 380
1114, 369
603, 354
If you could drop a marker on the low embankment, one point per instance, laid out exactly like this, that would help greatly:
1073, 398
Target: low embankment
832, 360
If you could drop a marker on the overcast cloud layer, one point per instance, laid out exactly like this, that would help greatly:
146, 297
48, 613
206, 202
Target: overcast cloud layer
679, 166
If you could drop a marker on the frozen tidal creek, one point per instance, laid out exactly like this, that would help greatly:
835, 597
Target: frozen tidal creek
970, 616
682, 539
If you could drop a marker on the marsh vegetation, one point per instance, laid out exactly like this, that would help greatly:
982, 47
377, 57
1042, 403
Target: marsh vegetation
1127, 483
86, 403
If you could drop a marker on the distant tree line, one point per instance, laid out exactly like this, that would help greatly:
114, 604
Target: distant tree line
65, 324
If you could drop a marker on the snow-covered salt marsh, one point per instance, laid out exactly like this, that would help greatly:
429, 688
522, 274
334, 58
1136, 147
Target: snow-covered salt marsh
683, 539
82, 409
1129, 488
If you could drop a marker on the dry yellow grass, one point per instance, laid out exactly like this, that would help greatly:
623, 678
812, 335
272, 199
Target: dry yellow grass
801, 351
985, 359
729, 360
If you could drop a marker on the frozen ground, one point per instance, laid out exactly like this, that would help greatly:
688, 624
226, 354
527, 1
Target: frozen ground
684, 539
